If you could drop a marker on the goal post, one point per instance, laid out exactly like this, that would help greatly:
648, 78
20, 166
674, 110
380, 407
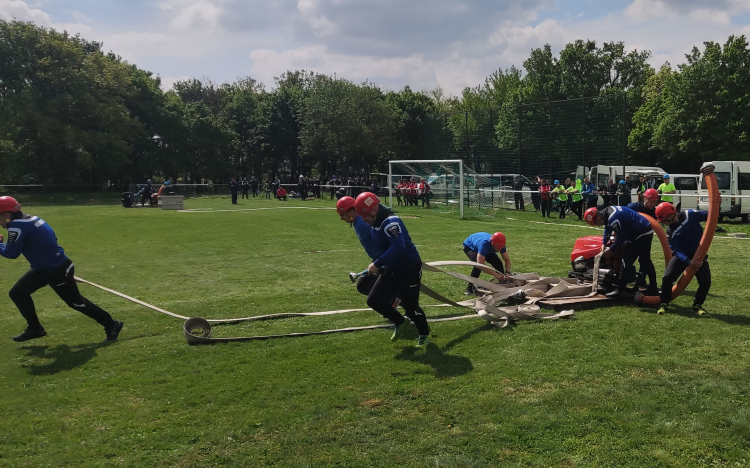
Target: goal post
445, 176
455, 187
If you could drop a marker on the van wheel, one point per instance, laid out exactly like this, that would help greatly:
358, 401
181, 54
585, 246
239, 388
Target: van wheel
721, 219
744, 218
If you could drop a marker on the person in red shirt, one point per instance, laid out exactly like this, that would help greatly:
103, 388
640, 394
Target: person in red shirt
545, 190
425, 192
281, 193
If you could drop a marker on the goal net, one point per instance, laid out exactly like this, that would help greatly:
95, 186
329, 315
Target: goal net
453, 187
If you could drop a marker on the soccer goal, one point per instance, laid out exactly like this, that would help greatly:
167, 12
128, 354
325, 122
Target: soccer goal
454, 186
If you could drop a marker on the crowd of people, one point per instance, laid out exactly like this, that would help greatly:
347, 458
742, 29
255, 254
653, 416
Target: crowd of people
574, 197
410, 191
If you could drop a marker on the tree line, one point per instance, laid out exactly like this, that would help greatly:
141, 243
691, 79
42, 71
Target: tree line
72, 114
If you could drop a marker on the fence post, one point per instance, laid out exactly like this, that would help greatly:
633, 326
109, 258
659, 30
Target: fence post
551, 144
585, 109
520, 142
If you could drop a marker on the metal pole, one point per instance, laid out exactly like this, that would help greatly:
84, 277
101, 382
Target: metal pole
461, 187
584, 134
520, 142
624, 102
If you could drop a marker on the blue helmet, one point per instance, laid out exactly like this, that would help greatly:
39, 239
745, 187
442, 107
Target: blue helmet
622, 182
167, 183
557, 181
666, 176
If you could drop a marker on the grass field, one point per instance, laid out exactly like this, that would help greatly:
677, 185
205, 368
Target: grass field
616, 386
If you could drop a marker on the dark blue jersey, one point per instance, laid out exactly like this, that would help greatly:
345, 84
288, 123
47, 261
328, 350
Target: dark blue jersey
365, 236
625, 223
640, 207
480, 243
685, 233
392, 238
35, 240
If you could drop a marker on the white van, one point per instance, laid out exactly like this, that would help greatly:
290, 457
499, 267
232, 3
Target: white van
686, 186
733, 178
601, 175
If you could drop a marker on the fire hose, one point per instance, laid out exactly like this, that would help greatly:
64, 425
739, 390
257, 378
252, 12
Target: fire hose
708, 235
198, 330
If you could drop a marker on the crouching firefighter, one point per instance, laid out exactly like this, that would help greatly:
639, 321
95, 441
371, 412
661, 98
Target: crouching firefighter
684, 232
634, 234
402, 264
31, 237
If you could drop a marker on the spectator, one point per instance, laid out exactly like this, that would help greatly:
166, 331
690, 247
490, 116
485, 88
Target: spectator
233, 188
589, 191
254, 186
545, 197
643, 185
576, 198
666, 189
518, 193
267, 189
562, 196
281, 194
623, 194
536, 198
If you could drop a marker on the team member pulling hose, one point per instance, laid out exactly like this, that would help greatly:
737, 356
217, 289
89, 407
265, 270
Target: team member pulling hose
684, 232
402, 264
31, 237
481, 247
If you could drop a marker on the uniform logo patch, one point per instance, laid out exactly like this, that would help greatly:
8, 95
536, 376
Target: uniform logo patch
394, 230
12, 235
368, 201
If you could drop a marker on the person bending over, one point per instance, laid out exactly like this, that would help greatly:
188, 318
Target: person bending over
31, 237
684, 232
634, 234
402, 265
481, 247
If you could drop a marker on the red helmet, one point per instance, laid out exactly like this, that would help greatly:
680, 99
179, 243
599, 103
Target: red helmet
498, 240
344, 204
651, 194
663, 210
590, 215
366, 202
9, 204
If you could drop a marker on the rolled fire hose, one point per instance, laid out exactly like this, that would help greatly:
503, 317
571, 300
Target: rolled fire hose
708, 235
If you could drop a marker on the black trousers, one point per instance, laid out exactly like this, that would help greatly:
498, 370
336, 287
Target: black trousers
234, 197
61, 281
673, 272
405, 285
492, 259
518, 198
563, 208
577, 208
245, 191
546, 207
639, 249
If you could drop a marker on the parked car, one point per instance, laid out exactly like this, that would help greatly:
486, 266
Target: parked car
733, 179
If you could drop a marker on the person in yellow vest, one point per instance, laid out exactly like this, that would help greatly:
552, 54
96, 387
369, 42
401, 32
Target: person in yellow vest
666, 189
574, 191
562, 196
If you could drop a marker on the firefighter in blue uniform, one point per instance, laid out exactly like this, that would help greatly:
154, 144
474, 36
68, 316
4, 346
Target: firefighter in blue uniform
31, 237
684, 232
402, 264
481, 247
648, 204
634, 234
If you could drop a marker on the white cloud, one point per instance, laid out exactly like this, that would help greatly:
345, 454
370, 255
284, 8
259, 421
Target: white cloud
167, 82
16, 9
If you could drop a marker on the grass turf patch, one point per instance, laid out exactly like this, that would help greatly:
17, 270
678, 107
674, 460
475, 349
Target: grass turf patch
616, 386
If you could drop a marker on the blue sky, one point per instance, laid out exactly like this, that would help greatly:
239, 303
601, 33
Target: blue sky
424, 44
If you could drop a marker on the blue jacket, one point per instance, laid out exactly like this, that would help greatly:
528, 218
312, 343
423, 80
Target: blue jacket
640, 207
35, 240
590, 191
394, 241
685, 234
364, 234
625, 223
480, 243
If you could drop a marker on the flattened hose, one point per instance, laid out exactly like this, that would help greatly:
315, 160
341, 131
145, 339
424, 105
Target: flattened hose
708, 235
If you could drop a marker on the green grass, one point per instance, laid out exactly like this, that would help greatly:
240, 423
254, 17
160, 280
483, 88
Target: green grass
616, 386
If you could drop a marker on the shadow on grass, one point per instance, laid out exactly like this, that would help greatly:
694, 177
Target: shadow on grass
444, 365
683, 311
63, 357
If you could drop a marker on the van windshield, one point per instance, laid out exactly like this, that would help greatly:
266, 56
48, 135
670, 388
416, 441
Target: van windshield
723, 180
